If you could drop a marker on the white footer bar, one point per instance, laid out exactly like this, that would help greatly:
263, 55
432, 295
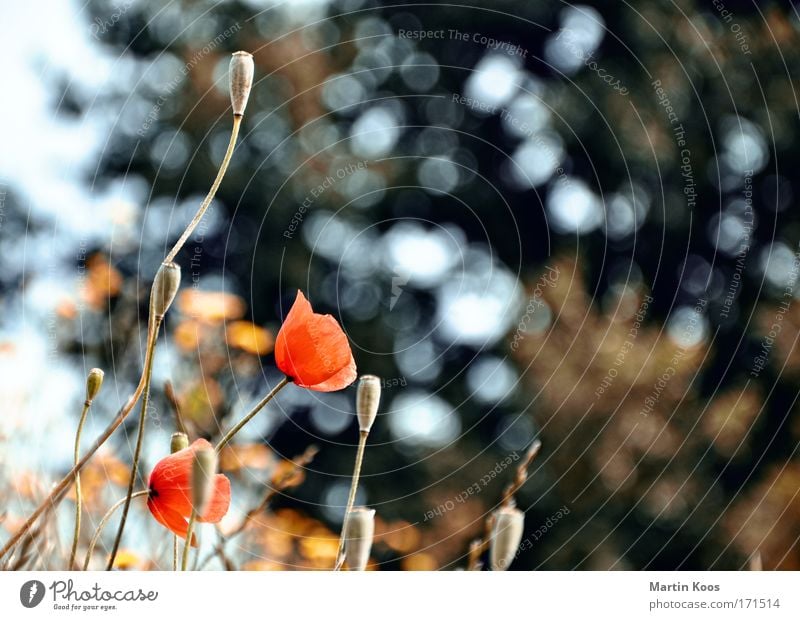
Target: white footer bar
329, 596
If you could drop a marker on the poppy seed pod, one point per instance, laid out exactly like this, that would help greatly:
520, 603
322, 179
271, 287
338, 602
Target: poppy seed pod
368, 398
359, 532
506, 536
241, 80
165, 287
94, 382
178, 442
204, 469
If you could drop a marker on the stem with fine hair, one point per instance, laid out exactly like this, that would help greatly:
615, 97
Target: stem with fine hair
78, 500
261, 404
103, 523
223, 167
221, 444
148, 373
351, 499
188, 544
479, 546
174, 553
59, 490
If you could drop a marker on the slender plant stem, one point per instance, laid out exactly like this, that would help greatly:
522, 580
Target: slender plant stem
479, 546
78, 499
59, 490
198, 216
261, 404
148, 373
275, 487
188, 544
362, 443
103, 523
223, 167
174, 553
222, 443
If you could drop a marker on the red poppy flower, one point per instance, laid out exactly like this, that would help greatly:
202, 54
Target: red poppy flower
170, 498
312, 350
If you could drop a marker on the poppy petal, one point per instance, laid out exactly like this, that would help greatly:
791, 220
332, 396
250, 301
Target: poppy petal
175, 469
298, 313
312, 348
321, 350
170, 480
339, 381
220, 500
171, 519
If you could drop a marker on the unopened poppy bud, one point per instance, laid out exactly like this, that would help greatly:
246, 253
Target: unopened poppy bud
368, 398
241, 80
359, 533
165, 287
94, 382
178, 442
204, 468
506, 536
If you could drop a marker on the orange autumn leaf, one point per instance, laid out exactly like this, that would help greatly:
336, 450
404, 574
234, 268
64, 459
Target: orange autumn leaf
420, 561
277, 544
240, 456
261, 565
66, 309
211, 306
104, 470
249, 337
27, 485
288, 475
399, 535
319, 547
293, 522
189, 335
102, 281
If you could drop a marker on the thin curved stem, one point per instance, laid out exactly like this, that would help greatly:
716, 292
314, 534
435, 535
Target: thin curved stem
174, 553
261, 404
103, 523
188, 545
148, 373
78, 499
223, 167
198, 216
362, 443
59, 490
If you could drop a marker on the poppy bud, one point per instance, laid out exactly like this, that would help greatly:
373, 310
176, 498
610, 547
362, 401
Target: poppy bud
506, 536
241, 80
178, 442
204, 468
165, 287
368, 398
94, 382
359, 532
